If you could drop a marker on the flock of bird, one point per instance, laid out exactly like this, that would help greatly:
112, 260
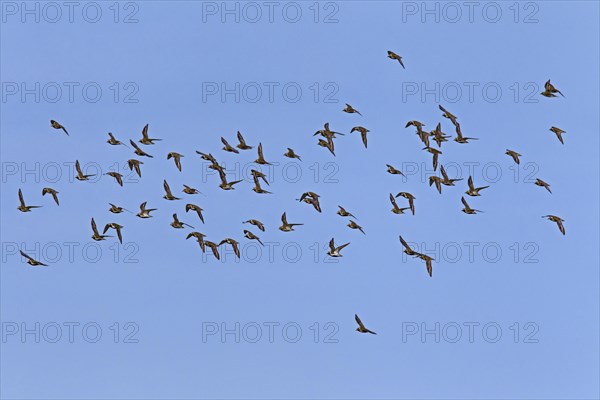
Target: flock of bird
326, 140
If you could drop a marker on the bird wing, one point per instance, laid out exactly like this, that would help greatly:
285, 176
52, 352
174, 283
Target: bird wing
358, 321
145, 132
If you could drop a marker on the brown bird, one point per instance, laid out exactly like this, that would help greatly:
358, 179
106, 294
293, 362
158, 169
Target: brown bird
22, 207
354, 225
116, 227
139, 151
515, 156
195, 208
261, 158
449, 115
335, 251
435, 153
361, 327
97, 236
410, 198
328, 144
145, 139
234, 244
393, 171
56, 125
290, 154
407, 249
559, 221
438, 136
256, 223
228, 147
252, 236
342, 212
351, 110
558, 133
135, 164
257, 188
363, 133
428, 261
207, 157
113, 141
438, 183
285, 226
395, 56
225, 185
395, 208
145, 212
473, 191
116, 209
214, 247
460, 138
189, 190
177, 224
199, 237
177, 158
311, 198
549, 90
447, 181
543, 184
53, 192
326, 132
168, 195
80, 176
467, 209
242, 143
31, 261
261, 175
417, 124
118, 177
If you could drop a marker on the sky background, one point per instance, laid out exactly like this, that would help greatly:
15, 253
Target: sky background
163, 61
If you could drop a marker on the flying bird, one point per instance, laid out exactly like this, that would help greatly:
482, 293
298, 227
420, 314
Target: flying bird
31, 261
428, 261
261, 158
225, 185
195, 208
199, 237
449, 115
342, 212
234, 244
549, 90
256, 223
135, 164
116, 227
80, 176
22, 207
467, 209
177, 158
410, 198
311, 198
145, 139
361, 327
394, 171
354, 225
116, 209
145, 212
543, 184
257, 188
53, 192
435, 153
407, 249
363, 133
285, 226
97, 236
395, 208
189, 190
473, 191
290, 154
228, 147
56, 125
214, 248
351, 110
438, 183
515, 156
460, 138
558, 133
113, 141
395, 56
177, 224
335, 251
445, 180
559, 221
168, 195
242, 143
139, 151
118, 177
252, 236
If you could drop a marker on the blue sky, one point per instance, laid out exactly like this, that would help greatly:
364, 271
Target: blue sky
192, 71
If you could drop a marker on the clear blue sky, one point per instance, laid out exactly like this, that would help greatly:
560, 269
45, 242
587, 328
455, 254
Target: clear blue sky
169, 62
